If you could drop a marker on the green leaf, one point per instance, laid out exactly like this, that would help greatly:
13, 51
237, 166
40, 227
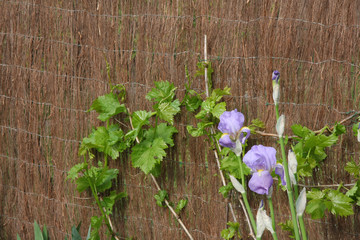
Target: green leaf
224, 190
73, 172
326, 141
82, 183
219, 109
107, 140
200, 130
218, 93
167, 110
181, 204
353, 168
163, 91
256, 124
162, 131
107, 106
340, 203
230, 232
355, 128
354, 192
315, 194
75, 235
160, 197
300, 131
96, 223
146, 154
45, 233
103, 178
316, 208
192, 103
18, 237
109, 201
231, 164
339, 129
38, 232
141, 118
288, 226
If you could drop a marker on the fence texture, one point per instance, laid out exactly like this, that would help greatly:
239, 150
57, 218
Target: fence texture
53, 65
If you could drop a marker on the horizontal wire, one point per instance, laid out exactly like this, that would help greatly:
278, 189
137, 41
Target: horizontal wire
146, 86
146, 187
212, 57
38, 135
46, 197
191, 17
42, 103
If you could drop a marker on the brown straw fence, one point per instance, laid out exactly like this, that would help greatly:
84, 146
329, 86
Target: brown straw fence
53, 65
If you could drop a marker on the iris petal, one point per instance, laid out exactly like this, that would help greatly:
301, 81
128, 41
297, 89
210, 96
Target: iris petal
247, 131
225, 141
279, 170
261, 182
260, 157
231, 122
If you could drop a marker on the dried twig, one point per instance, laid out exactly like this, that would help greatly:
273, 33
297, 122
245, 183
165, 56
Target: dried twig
317, 131
247, 218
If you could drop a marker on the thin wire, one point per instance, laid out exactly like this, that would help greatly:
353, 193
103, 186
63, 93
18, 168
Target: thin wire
164, 54
38, 135
46, 197
190, 17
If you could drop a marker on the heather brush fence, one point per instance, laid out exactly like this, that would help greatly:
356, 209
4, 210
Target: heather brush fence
53, 65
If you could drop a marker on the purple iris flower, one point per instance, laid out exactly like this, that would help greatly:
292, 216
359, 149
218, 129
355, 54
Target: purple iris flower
275, 76
262, 161
231, 125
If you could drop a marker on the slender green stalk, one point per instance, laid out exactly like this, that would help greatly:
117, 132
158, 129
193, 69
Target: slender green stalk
241, 171
288, 183
95, 194
296, 188
272, 213
274, 236
302, 227
272, 217
248, 209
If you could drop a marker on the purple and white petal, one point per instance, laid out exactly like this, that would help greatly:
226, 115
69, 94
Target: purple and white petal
261, 182
231, 122
260, 158
225, 141
242, 137
279, 170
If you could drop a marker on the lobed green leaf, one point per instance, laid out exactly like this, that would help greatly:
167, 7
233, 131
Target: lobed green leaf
107, 106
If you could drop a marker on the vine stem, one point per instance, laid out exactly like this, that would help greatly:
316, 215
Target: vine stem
102, 210
158, 188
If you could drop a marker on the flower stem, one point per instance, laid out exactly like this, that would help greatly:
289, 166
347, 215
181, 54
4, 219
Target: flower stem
288, 183
302, 227
274, 236
248, 209
241, 171
272, 213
